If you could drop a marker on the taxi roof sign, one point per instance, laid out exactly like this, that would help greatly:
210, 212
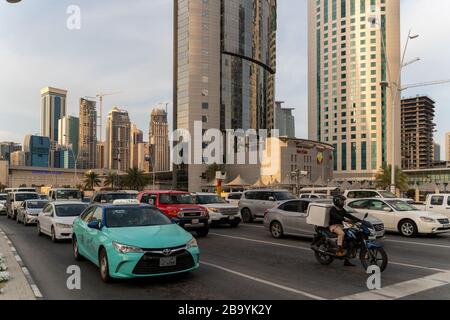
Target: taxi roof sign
121, 202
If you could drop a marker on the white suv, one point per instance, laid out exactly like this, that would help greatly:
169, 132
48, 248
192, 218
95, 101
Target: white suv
15, 200
255, 203
220, 212
366, 194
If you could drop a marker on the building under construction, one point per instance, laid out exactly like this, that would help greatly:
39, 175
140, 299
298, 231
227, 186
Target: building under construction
417, 129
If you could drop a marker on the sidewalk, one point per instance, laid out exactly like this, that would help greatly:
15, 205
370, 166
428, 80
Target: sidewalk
18, 287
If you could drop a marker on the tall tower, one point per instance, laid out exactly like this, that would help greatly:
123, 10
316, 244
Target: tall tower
117, 143
53, 108
69, 133
87, 144
224, 69
136, 139
159, 141
354, 45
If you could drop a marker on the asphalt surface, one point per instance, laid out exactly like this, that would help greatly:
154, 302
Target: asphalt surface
245, 263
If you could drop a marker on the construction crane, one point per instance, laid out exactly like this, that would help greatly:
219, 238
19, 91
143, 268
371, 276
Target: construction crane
100, 96
425, 84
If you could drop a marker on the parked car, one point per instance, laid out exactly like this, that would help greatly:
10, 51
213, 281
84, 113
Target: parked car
65, 194
399, 216
289, 218
14, 201
56, 219
439, 203
367, 194
29, 211
111, 196
3, 197
233, 198
181, 206
254, 203
133, 241
220, 212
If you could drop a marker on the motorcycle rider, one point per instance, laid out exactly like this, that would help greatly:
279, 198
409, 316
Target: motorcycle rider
338, 215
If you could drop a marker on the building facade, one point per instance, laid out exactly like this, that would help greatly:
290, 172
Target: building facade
224, 69
159, 150
100, 155
284, 120
352, 47
38, 148
53, 108
437, 152
117, 143
69, 133
7, 148
20, 158
447, 147
87, 142
136, 138
417, 128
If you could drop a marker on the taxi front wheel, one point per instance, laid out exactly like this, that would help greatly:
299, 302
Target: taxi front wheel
104, 266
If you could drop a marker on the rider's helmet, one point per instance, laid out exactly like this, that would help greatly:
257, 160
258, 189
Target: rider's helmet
339, 201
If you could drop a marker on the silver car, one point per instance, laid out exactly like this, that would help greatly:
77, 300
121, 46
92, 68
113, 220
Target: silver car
289, 218
255, 203
29, 210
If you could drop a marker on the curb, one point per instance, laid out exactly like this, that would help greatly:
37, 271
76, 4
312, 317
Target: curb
37, 293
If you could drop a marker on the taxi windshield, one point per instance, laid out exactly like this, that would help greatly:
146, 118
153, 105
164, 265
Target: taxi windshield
135, 217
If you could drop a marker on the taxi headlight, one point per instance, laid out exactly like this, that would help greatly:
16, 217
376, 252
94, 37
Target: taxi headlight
122, 248
191, 244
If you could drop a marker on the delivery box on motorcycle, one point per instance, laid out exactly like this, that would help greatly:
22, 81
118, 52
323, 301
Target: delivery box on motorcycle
319, 215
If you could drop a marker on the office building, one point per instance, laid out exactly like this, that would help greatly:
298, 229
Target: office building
19, 159
224, 69
7, 148
87, 143
284, 120
352, 47
38, 148
53, 108
447, 147
437, 152
69, 133
64, 158
159, 141
417, 128
136, 138
117, 143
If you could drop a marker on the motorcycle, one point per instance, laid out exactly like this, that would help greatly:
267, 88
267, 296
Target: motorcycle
360, 241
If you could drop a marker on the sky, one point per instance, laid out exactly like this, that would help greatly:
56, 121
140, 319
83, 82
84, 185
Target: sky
125, 46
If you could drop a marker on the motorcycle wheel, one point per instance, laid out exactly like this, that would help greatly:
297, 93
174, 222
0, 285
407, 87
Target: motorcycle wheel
374, 257
323, 258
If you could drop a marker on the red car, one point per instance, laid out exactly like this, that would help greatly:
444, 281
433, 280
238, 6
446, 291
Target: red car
180, 206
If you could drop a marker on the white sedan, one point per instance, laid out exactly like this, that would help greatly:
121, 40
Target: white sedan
399, 216
56, 219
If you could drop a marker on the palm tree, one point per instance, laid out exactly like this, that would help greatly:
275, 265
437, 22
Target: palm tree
383, 178
112, 180
210, 173
135, 179
91, 180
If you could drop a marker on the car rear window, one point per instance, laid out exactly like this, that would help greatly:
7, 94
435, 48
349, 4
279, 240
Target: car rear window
36, 204
26, 196
70, 210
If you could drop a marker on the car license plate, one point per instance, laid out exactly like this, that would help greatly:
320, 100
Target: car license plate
195, 221
168, 262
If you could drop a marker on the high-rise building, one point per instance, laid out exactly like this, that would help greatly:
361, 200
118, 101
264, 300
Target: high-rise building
159, 141
20, 159
284, 120
353, 45
117, 147
447, 146
417, 129
437, 152
64, 158
69, 133
100, 155
143, 152
224, 69
53, 108
136, 138
38, 148
87, 143
6, 148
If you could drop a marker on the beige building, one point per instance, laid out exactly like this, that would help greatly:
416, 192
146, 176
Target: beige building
117, 143
100, 155
142, 153
19, 158
87, 144
447, 147
348, 108
224, 70
159, 141
4, 172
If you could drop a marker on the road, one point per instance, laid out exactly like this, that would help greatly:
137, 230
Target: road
246, 264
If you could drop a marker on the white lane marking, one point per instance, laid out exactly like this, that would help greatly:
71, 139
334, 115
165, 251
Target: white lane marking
309, 249
404, 289
36, 291
266, 282
419, 243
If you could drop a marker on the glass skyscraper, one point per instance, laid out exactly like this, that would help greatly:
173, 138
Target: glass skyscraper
224, 69
53, 108
354, 45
